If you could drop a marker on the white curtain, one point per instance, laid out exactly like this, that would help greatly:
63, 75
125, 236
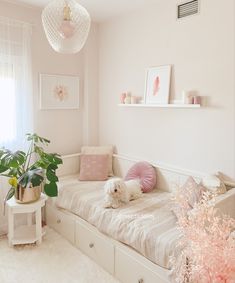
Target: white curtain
16, 89
15, 83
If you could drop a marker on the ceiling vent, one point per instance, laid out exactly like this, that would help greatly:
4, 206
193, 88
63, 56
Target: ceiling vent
187, 9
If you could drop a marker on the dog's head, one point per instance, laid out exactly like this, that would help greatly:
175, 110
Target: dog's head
114, 187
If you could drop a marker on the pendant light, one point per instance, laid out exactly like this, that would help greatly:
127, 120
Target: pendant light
66, 24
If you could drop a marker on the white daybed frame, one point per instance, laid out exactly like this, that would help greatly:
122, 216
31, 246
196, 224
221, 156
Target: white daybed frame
118, 259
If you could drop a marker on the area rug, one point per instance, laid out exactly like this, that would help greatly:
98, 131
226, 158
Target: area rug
54, 261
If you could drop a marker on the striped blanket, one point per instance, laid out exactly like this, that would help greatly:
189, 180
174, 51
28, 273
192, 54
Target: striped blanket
145, 224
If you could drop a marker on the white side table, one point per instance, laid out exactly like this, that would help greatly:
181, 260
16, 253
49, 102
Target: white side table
25, 234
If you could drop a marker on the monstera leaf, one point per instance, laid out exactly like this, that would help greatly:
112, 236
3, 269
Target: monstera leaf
51, 189
9, 159
33, 168
31, 178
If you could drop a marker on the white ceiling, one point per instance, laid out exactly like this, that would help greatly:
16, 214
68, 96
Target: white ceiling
100, 10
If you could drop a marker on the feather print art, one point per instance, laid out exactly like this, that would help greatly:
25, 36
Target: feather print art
156, 86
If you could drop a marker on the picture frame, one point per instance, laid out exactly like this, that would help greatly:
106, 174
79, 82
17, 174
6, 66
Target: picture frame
59, 91
157, 85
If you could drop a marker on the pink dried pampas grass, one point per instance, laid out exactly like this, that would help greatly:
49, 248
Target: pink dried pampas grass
207, 246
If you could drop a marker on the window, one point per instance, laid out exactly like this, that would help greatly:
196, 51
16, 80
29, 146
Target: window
15, 83
7, 110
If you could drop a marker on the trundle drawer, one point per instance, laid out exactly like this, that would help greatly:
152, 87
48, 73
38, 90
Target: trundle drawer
96, 246
62, 223
129, 270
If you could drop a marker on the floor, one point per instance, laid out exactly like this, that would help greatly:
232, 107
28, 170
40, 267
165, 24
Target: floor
54, 261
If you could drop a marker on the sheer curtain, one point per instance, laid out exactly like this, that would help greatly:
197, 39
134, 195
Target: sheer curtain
15, 83
15, 89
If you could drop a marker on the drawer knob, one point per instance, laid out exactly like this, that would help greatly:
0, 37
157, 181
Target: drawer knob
141, 280
58, 221
91, 245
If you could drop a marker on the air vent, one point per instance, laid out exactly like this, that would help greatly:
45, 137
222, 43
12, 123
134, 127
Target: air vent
187, 9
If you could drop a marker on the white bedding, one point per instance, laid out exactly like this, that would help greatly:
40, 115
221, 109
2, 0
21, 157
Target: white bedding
146, 224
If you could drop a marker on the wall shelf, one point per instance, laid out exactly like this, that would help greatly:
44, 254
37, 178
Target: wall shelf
162, 105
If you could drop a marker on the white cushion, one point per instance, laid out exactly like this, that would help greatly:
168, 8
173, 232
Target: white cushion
214, 183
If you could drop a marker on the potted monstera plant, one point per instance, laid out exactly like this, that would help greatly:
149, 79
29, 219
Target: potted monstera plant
27, 171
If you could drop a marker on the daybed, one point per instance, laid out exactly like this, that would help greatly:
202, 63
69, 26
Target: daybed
133, 242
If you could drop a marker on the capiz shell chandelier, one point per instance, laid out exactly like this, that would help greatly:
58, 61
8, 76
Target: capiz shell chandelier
66, 24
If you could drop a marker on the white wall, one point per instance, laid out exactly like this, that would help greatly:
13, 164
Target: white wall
201, 50
91, 98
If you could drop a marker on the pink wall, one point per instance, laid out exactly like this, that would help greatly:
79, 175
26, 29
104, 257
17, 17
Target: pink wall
201, 50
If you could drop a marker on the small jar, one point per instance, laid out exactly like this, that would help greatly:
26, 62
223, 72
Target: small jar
128, 98
190, 99
196, 99
187, 97
133, 99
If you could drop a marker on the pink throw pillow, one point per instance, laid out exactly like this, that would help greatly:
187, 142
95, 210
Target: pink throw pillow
192, 191
187, 196
93, 167
144, 172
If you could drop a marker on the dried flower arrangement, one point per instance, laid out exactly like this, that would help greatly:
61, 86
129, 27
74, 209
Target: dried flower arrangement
207, 245
61, 92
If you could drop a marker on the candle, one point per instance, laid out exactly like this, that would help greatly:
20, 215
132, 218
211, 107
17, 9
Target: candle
122, 97
196, 99
187, 97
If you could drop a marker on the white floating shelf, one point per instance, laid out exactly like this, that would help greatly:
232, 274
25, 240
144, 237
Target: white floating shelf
162, 105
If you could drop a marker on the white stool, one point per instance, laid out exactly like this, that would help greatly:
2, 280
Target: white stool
25, 234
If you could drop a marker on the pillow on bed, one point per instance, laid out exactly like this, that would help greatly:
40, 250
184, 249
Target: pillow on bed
187, 195
93, 167
214, 184
97, 150
144, 172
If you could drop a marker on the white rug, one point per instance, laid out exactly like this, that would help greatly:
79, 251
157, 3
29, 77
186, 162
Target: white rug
54, 261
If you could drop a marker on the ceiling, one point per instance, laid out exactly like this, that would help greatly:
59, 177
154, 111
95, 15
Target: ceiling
100, 10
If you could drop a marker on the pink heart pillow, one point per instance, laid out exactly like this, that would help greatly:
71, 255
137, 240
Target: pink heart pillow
144, 172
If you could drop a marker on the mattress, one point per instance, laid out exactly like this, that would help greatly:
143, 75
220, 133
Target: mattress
146, 224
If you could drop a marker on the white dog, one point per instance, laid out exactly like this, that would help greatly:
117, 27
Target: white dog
118, 191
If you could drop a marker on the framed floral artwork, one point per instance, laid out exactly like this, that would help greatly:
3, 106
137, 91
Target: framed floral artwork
157, 85
59, 92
